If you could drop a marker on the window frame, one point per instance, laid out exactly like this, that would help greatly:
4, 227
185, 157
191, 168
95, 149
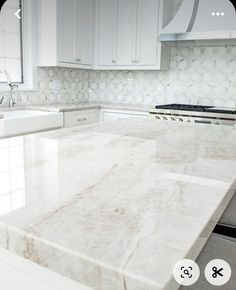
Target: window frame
29, 46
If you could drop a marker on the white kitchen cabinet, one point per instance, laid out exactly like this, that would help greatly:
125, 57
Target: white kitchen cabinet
102, 34
147, 32
128, 34
80, 117
107, 25
66, 30
84, 31
89, 116
108, 115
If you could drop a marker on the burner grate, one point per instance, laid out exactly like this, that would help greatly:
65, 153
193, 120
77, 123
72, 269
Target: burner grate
184, 107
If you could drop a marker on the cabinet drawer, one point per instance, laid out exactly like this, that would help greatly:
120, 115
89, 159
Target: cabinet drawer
82, 117
111, 115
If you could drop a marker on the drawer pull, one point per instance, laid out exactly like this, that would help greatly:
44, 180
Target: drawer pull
81, 119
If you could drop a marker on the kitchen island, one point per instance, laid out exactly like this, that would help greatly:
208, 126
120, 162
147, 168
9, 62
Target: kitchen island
116, 205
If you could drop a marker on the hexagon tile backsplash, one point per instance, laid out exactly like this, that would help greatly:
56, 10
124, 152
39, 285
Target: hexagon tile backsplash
197, 75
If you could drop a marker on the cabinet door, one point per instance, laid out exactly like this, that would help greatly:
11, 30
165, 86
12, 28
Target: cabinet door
127, 30
84, 39
82, 117
147, 33
107, 32
67, 30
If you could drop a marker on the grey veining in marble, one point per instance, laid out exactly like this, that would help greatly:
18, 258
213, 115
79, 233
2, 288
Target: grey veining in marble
115, 206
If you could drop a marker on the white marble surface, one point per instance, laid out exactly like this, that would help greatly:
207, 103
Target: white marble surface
115, 206
85, 106
81, 106
19, 273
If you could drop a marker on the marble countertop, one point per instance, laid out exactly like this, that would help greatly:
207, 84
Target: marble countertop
75, 107
116, 205
81, 106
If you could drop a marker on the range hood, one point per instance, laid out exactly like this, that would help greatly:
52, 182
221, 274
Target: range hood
202, 20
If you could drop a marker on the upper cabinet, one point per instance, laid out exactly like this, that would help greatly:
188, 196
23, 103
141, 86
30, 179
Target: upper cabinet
85, 15
127, 32
107, 32
66, 29
147, 49
102, 34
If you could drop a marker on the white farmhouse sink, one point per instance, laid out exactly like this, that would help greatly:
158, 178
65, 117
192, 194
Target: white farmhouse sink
26, 121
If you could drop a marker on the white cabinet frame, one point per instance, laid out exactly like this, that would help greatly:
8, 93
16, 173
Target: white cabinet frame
95, 40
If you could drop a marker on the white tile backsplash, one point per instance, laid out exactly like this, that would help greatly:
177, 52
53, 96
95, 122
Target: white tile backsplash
198, 75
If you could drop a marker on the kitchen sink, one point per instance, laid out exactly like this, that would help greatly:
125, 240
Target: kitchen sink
19, 122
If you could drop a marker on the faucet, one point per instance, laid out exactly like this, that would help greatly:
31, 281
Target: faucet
12, 87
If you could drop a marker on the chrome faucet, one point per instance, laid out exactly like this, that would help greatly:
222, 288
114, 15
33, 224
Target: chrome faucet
1, 100
12, 87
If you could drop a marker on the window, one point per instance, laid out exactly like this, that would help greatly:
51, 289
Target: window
11, 50
18, 44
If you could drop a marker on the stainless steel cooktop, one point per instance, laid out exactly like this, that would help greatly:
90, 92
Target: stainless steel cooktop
195, 113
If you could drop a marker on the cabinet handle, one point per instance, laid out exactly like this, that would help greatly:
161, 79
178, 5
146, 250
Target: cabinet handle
133, 61
78, 59
81, 119
113, 61
137, 61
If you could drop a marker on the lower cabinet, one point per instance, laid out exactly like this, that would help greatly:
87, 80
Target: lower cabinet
107, 115
81, 117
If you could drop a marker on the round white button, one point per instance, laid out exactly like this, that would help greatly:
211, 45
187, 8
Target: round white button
218, 272
186, 272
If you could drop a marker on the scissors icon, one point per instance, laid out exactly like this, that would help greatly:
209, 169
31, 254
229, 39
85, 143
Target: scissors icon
217, 272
